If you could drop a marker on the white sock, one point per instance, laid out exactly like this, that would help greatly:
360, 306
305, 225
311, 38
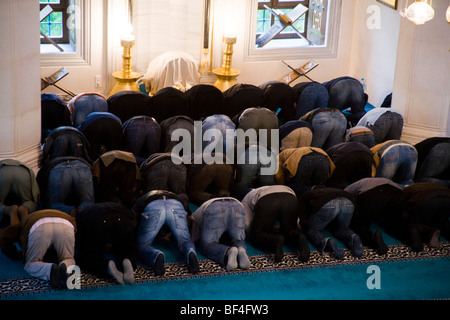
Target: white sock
128, 275
244, 262
232, 258
113, 272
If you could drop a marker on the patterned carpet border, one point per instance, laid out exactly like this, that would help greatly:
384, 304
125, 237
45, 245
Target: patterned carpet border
208, 268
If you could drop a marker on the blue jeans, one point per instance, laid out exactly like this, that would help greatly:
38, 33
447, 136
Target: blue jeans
157, 213
435, 163
366, 139
222, 215
94, 116
340, 212
222, 123
169, 126
70, 179
65, 142
253, 172
54, 114
398, 164
85, 104
329, 129
103, 130
142, 137
314, 95
165, 175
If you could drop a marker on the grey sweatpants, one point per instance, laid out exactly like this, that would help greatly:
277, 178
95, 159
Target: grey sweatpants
58, 235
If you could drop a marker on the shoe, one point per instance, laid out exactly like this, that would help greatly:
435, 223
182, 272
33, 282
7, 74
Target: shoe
54, 276
303, 247
63, 276
193, 263
159, 265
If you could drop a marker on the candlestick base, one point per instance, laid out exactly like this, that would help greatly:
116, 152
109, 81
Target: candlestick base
225, 79
125, 82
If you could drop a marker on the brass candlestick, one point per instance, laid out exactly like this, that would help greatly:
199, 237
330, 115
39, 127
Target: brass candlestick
226, 75
126, 78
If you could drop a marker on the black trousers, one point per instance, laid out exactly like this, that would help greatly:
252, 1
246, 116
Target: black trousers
117, 182
352, 167
213, 180
105, 229
282, 207
382, 205
431, 214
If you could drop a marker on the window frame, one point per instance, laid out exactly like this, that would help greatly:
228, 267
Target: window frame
328, 50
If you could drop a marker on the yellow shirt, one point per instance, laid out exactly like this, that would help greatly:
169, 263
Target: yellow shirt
288, 162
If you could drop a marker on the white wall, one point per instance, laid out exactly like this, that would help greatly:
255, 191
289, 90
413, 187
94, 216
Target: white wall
20, 107
374, 48
422, 76
166, 25
158, 29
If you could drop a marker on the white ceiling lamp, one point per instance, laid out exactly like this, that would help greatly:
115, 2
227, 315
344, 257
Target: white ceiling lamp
448, 14
419, 12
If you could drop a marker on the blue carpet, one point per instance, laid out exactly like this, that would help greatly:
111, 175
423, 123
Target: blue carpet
401, 280
403, 276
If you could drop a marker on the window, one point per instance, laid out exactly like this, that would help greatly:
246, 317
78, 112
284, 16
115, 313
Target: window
67, 28
58, 26
54, 26
314, 31
265, 19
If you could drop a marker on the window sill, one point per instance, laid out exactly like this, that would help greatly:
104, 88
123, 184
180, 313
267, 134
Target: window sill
286, 43
51, 49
